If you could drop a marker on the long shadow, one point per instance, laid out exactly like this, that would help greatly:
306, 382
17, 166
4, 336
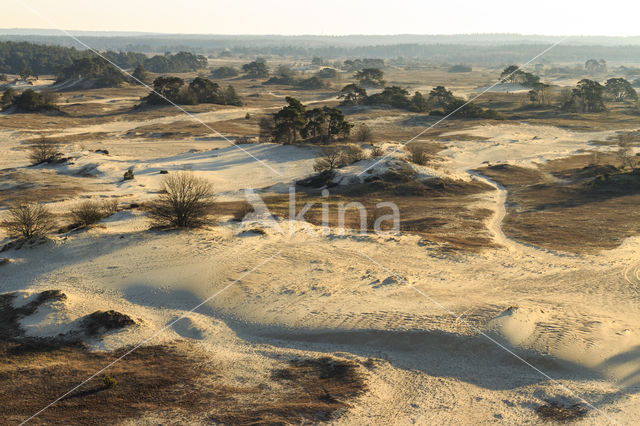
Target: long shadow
19, 275
471, 359
628, 379
82, 394
182, 300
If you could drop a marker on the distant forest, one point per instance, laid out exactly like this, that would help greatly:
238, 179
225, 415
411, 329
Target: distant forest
481, 49
15, 57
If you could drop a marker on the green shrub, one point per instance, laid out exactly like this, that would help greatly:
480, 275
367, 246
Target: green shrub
109, 381
128, 175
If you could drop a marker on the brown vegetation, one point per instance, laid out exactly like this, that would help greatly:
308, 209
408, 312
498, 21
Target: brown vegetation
185, 201
28, 220
570, 204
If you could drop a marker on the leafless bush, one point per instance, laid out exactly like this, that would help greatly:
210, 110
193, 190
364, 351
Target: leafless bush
185, 201
330, 158
90, 212
44, 151
86, 213
110, 207
363, 134
376, 151
353, 153
28, 220
418, 154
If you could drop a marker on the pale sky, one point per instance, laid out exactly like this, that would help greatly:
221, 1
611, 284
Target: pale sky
329, 17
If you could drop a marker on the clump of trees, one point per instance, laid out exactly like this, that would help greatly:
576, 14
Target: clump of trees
92, 68
513, 74
294, 123
29, 59
395, 96
440, 97
185, 201
369, 77
7, 97
594, 66
28, 220
200, 90
539, 94
41, 59
180, 62
224, 72
256, 69
285, 75
354, 94
360, 64
140, 75
587, 96
620, 90
460, 68
327, 73
29, 101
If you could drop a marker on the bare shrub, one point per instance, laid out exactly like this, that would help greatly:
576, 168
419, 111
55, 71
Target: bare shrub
418, 154
185, 201
376, 151
110, 207
353, 153
90, 212
28, 220
330, 158
363, 134
44, 151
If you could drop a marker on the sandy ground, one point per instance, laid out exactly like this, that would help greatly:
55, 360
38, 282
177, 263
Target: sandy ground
446, 327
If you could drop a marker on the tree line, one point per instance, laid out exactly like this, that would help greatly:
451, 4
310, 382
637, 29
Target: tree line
440, 101
45, 59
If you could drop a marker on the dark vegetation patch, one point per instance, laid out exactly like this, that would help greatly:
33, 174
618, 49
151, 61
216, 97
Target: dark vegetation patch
9, 315
99, 321
315, 390
554, 411
152, 378
165, 380
583, 203
440, 210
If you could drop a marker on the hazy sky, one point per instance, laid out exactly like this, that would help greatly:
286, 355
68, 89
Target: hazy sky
327, 17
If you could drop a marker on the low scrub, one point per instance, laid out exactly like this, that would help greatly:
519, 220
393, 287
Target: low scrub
28, 220
44, 151
90, 212
418, 154
185, 202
